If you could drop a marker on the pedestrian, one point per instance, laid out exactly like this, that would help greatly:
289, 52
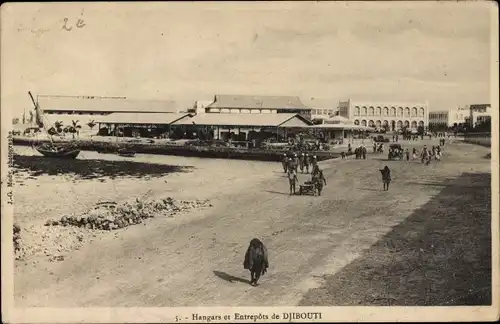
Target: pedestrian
349, 148
256, 260
284, 163
414, 153
407, 152
342, 154
386, 177
314, 162
301, 162
363, 151
307, 162
292, 179
374, 147
318, 179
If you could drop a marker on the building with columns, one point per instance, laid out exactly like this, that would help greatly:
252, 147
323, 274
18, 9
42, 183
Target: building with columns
392, 116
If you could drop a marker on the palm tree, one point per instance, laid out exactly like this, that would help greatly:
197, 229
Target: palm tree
58, 125
91, 124
75, 128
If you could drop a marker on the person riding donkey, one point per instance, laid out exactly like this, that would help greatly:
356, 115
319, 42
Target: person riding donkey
318, 179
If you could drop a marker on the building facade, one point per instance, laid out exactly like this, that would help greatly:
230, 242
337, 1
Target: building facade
247, 104
479, 113
392, 116
447, 118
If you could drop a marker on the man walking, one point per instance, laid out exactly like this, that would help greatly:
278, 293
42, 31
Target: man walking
292, 179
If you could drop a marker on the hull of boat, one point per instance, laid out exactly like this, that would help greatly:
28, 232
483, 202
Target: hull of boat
63, 154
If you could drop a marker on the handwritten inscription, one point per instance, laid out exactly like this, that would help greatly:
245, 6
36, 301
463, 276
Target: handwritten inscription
80, 23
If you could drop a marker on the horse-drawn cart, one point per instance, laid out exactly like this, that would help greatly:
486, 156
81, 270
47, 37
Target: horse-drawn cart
308, 188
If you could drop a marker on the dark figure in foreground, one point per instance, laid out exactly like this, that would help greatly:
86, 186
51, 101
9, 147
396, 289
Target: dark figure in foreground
256, 260
386, 177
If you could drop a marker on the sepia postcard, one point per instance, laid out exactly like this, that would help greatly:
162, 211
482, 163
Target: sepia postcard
244, 162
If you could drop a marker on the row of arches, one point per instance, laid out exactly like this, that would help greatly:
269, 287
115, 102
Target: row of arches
385, 111
389, 124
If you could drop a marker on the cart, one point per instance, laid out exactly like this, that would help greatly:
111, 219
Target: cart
308, 188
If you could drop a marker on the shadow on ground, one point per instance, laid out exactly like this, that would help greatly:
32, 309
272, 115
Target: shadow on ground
92, 169
230, 278
439, 256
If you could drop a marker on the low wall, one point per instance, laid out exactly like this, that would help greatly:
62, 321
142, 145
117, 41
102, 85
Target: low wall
483, 139
164, 149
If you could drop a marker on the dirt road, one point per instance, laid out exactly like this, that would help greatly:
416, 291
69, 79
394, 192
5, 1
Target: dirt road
197, 259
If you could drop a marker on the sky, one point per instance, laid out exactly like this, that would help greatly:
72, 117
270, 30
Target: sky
321, 51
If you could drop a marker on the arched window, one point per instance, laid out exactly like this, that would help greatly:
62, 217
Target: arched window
356, 111
414, 124
385, 123
407, 123
356, 122
363, 122
371, 111
379, 111
414, 112
422, 112
399, 124
386, 111
371, 123
407, 112
363, 111
421, 123
400, 111
378, 123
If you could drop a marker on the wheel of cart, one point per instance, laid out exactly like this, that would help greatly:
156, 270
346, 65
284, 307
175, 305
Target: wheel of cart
308, 188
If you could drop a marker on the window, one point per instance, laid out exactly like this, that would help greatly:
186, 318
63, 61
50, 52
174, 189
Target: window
414, 112
400, 111
363, 111
379, 111
371, 111
386, 111
422, 112
356, 111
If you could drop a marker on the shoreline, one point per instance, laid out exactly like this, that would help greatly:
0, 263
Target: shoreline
269, 155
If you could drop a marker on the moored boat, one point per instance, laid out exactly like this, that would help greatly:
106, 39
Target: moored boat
58, 151
126, 153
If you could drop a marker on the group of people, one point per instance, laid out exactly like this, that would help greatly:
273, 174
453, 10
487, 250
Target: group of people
360, 152
303, 161
300, 161
427, 154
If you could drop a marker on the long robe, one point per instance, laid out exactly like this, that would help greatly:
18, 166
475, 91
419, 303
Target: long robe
252, 255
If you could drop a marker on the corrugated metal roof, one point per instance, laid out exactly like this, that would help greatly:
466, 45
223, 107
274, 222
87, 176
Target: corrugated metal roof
105, 104
263, 120
257, 102
140, 118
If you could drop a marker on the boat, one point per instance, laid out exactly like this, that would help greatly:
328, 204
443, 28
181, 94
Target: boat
65, 150
58, 151
126, 153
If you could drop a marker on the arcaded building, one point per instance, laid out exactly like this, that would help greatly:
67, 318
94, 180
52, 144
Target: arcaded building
389, 115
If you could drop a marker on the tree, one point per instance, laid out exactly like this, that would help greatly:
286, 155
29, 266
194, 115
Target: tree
15, 121
91, 124
75, 128
58, 126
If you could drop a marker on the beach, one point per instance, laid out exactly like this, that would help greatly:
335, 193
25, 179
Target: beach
316, 244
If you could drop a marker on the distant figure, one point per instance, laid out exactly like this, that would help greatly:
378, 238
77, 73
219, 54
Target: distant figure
319, 179
374, 147
284, 163
314, 162
407, 153
386, 177
307, 162
301, 162
256, 260
349, 148
363, 152
292, 179
414, 153
342, 154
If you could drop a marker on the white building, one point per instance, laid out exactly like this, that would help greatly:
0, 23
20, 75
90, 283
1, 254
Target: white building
447, 118
389, 115
479, 113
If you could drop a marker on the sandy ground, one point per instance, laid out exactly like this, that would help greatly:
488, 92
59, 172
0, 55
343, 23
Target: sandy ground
196, 259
